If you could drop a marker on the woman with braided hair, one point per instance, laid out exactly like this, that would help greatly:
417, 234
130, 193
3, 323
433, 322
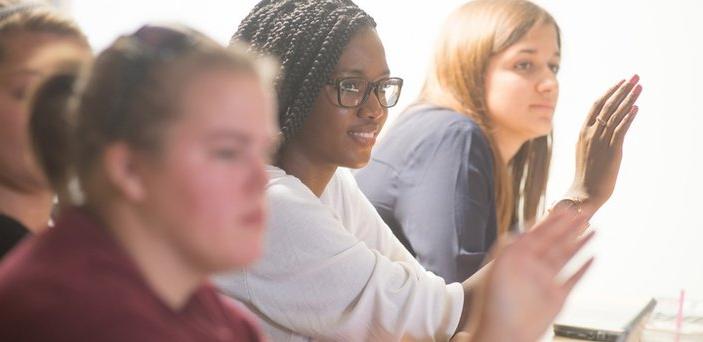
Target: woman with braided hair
332, 269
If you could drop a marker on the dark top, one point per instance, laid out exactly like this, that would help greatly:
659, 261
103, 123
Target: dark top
11, 233
431, 180
74, 283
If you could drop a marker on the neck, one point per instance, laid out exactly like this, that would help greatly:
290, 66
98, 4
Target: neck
314, 174
32, 209
170, 276
508, 144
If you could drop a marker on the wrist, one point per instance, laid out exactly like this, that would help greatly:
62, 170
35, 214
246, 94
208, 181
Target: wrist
578, 200
586, 194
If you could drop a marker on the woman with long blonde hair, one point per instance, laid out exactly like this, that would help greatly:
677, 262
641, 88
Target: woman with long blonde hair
470, 160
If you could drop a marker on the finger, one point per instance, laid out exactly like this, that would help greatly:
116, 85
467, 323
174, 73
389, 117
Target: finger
552, 229
553, 220
568, 235
567, 231
614, 101
598, 105
564, 248
568, 285
586, 228
541, 274
563, 253
624, 126
623, 109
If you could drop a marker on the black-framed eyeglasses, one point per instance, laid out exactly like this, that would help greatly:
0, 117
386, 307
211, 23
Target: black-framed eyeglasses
353, 92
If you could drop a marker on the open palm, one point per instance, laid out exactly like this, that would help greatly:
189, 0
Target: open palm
599, 148
521, 294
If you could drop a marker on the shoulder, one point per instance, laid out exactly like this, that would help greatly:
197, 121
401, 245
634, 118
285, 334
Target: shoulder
236, 317
290, 200
439, 118
288, 194
451, 139
431, 126
298, 219
62, 277
57, 308
283, 185
343, 183
455, 125
347, 200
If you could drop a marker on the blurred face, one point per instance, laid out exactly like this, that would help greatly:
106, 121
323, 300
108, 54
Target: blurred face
522, 87
205, 189
338, 136
28, 59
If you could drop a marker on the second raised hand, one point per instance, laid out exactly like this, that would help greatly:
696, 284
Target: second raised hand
599, 149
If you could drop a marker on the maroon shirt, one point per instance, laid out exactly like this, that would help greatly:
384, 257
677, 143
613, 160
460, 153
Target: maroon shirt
74, 283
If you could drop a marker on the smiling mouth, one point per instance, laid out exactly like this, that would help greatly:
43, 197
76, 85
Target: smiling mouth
365, 137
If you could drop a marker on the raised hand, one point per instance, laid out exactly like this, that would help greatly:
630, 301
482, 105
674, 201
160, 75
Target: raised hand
520, 294
599, 149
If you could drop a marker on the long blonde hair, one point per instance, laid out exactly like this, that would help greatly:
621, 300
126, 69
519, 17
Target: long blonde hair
473, 34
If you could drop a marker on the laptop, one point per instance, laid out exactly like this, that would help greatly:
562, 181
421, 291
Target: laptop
611, 321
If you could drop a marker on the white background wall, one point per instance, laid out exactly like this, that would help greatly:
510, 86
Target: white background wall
650, 240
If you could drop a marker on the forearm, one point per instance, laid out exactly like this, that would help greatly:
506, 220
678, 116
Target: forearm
470, 286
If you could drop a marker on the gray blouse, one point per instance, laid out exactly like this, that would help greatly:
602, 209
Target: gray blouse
431, 180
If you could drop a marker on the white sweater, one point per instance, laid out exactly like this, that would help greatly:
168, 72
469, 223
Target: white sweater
333, 270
